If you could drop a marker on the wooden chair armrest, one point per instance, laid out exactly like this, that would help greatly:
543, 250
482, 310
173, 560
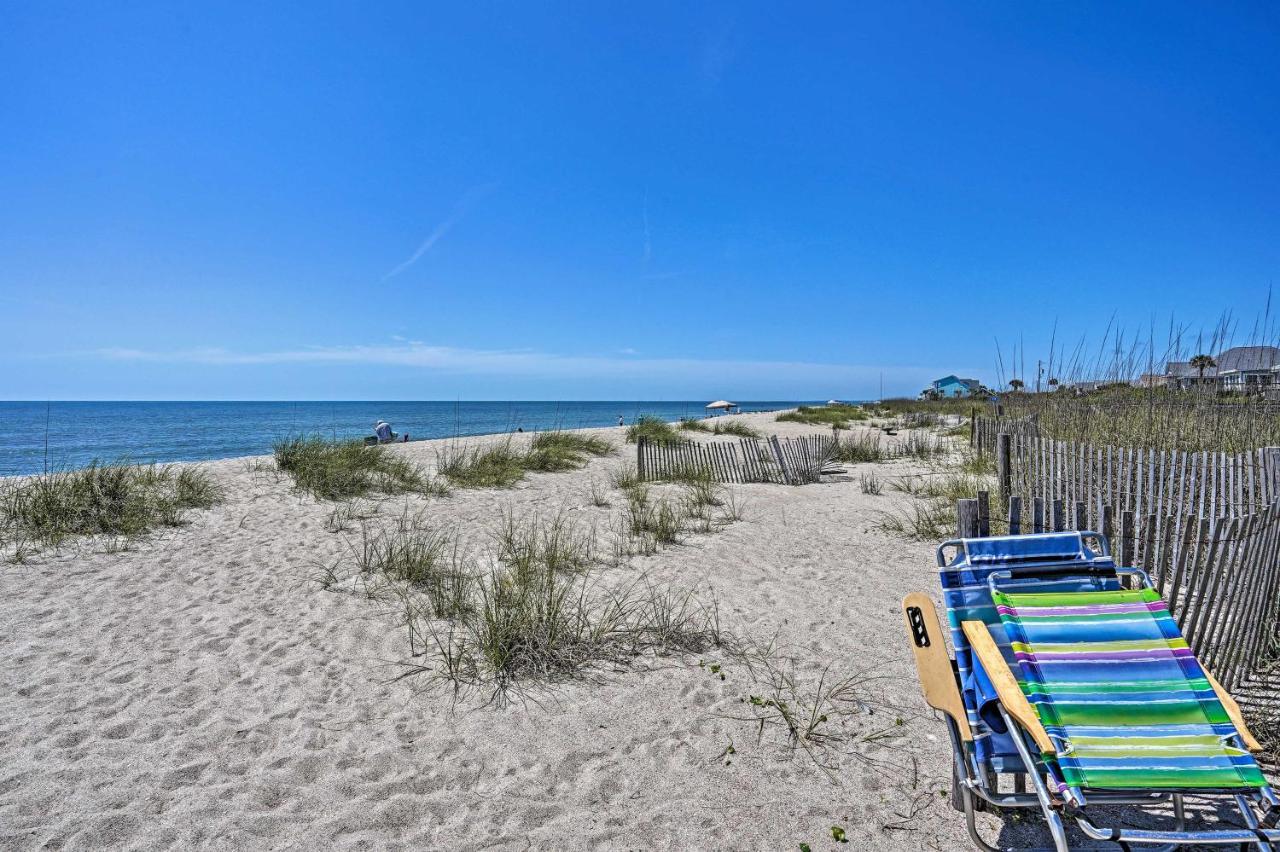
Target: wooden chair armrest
933, 664
1233, 712
1010, 694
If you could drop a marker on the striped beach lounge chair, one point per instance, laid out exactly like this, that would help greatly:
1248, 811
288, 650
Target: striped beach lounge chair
1068, 683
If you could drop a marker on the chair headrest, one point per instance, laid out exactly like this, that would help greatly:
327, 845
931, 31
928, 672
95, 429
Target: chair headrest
1022, 549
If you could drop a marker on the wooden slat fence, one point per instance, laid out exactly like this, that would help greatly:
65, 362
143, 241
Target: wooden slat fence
788, 461
1220, 576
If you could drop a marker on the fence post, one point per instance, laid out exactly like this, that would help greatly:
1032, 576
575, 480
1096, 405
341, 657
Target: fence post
1004, 470
967, 518
1037, 514
1015, 516
640, 458
1272, 456
984, 514
973, 427
1126, 538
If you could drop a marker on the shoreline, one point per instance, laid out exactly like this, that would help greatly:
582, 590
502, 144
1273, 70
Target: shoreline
171, 439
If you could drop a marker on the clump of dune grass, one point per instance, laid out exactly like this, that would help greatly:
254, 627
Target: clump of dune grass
428, 561
735, 427
651, 429
501, 465
979, 464
485, 466
534, 626
557, 451
120, 501
341, 470
871, 484
537, 543
922, 445
923, 520
860, 447
598, 496
824, 415
814, 710
692, 424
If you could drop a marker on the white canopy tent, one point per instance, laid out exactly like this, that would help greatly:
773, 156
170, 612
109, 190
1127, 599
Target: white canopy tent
723, 404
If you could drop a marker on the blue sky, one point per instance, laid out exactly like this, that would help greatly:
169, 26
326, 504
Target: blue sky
617, 201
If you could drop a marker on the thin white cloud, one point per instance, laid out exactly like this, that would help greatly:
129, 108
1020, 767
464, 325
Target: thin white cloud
459, 210
534, 364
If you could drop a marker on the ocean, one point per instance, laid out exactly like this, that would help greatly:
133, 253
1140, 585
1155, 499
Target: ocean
38, 436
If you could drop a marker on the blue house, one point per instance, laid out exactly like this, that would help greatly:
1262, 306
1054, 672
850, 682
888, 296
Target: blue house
954, 386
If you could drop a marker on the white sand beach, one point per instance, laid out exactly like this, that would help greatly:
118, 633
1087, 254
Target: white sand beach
201, 689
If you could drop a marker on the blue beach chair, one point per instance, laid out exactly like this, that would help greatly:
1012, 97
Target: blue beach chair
1083, 690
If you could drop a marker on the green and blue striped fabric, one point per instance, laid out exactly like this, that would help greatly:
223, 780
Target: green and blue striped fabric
1121, 694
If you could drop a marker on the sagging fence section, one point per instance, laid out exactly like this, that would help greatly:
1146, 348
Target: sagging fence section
788, 461
1204, 526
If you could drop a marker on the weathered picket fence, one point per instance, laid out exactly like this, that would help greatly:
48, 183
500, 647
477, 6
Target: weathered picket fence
788, 461
1219, 576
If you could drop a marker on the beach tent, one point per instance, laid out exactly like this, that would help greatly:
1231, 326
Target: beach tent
724, 404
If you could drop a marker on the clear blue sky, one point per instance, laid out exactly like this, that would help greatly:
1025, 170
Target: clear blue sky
602, 201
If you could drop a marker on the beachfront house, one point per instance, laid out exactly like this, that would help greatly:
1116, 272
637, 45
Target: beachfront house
952, 386
1240, 369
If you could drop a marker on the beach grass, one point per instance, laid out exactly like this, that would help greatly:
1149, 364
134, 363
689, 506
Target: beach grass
824, 415
652, 429
341, 470
559, 451
119, 500
501, 465
860, 448
692, 424
737, 428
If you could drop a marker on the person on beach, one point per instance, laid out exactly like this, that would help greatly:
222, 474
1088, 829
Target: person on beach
383, 430
619, 419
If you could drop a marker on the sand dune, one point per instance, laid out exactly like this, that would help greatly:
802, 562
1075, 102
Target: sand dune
199, 690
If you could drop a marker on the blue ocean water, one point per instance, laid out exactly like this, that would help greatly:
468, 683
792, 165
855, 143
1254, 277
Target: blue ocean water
79, 432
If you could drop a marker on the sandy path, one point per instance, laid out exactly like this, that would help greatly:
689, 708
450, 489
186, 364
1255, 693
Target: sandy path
199, 691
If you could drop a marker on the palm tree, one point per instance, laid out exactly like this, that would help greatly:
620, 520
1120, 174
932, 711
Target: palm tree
1202, 362
1016, 384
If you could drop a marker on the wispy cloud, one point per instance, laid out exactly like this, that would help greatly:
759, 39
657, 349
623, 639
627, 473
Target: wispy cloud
534, 364
459, 210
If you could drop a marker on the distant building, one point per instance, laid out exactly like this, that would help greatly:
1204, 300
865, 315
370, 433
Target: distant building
1241, 369
952, 386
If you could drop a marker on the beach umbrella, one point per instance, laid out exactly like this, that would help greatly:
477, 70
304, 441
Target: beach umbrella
722, 403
